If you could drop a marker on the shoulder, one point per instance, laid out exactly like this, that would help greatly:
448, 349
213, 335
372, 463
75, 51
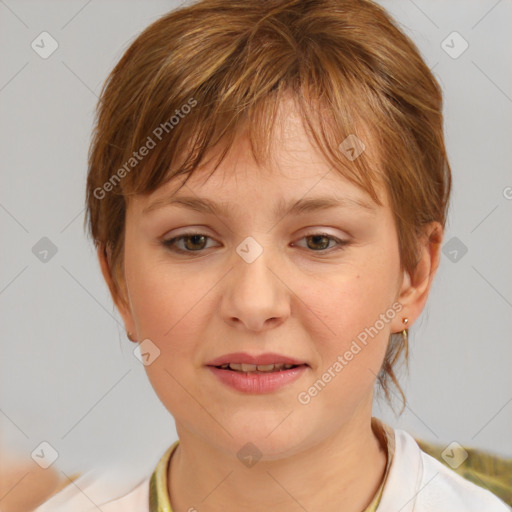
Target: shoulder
417, 482
136, 500
88, 499
119, 488
443, 485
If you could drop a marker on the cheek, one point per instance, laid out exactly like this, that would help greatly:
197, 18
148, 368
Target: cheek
353, 310
161, 297
163, 306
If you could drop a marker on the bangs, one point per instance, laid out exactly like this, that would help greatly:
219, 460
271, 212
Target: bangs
236, 97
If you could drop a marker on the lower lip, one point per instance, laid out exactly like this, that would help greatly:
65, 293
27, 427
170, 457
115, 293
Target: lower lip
258, 382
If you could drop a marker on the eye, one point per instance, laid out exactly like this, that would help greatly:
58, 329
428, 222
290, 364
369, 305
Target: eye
193, 242
319, 242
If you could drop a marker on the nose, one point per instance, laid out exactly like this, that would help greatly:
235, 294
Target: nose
254, 296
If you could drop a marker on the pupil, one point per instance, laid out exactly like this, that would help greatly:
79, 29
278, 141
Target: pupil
194, 237
316, 237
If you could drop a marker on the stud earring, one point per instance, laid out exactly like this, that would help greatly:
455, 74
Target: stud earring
130, 336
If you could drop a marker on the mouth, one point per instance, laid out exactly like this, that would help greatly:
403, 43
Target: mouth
257, 369
258, 378
264, 362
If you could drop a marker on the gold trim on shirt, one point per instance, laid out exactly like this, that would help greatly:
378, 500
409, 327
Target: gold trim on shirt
158, 492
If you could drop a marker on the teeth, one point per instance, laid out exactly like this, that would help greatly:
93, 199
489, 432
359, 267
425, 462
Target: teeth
262, 367
243, 367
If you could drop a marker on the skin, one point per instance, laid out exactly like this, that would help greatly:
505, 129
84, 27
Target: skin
290, 300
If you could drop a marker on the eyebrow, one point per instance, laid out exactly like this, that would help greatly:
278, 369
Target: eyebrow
301, 206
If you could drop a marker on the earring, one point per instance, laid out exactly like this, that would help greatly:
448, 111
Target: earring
405, 333
130, 336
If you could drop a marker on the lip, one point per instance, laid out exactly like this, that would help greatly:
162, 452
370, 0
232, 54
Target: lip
243, 357
258, 383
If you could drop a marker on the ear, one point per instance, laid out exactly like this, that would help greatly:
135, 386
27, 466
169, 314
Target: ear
416, 285
120, 297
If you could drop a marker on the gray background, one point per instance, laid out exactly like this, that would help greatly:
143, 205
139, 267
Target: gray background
68, 375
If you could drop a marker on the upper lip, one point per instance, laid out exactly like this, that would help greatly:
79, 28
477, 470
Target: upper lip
261, 359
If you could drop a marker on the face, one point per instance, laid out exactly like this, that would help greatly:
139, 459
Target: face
306, 285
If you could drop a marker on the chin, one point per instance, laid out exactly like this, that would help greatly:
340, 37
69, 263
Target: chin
271, 438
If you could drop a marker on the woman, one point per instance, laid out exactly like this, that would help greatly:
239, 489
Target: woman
267, 191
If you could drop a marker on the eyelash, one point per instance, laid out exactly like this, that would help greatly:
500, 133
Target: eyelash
170, 243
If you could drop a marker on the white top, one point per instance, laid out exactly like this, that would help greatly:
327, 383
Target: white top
419, 483
416, 483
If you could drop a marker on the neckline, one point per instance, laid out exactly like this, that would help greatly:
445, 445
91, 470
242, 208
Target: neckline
159, 496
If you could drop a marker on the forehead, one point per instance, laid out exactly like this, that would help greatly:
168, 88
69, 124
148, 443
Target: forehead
295, 169
296, 191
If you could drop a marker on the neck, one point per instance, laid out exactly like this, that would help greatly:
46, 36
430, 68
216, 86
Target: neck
341, 472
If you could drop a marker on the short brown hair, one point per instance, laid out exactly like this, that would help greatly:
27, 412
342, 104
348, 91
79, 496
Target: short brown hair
200, 74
